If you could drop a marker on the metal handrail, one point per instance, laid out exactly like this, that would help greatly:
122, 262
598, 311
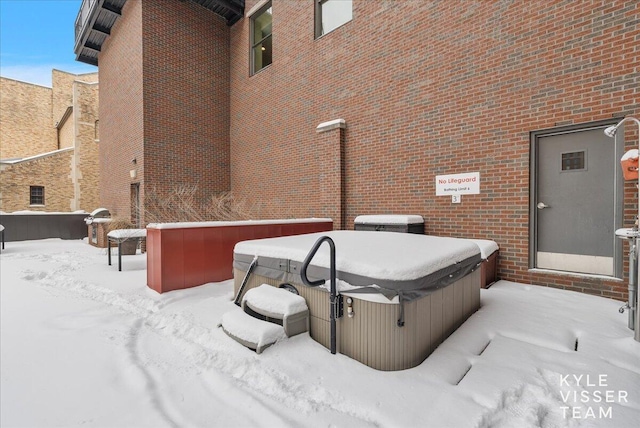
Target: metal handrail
333, 295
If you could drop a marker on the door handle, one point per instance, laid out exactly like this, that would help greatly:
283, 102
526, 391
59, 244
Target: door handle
542, 205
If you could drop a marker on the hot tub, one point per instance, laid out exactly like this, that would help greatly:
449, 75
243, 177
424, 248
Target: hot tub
402, 294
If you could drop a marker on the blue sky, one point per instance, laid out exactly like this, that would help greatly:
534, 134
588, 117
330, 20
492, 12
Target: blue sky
37, 36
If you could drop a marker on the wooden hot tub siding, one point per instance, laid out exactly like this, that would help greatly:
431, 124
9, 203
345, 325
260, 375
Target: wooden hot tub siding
372, 335
185, 257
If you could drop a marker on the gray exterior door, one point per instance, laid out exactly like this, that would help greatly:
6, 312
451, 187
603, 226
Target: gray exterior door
576, 203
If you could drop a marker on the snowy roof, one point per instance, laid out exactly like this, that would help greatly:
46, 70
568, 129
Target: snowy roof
390, 256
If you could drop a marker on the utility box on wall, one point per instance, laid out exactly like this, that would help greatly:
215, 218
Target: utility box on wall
390, 223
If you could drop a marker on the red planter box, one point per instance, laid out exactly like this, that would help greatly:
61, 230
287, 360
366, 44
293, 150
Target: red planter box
184, 255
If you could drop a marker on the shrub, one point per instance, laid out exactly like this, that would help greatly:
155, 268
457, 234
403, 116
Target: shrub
184, 204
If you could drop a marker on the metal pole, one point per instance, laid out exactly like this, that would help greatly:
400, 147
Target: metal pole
636, 327
633, 280
633, 270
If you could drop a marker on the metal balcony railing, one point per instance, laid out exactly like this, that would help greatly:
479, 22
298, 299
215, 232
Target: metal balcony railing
83, 18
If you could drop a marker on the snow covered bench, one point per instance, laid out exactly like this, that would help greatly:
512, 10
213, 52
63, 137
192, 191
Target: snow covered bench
119, 236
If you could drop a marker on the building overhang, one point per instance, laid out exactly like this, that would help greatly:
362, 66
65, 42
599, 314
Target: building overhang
96, 18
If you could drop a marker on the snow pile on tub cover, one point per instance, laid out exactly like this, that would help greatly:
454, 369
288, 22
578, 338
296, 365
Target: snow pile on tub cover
487, 247
275, 300
389, 219
381, 255
252, 329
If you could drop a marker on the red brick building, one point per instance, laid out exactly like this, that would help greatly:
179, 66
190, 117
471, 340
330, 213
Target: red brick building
229, 95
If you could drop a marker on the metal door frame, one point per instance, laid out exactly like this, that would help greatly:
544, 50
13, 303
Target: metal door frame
618, 188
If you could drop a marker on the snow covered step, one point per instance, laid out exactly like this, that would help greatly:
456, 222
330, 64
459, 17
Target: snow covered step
277, 305
251, 332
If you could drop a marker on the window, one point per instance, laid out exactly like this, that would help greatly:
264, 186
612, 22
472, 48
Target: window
261, 39
330, 14
36, 195
573, 161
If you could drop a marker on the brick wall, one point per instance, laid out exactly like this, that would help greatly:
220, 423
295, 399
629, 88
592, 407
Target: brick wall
168, 109
86, 156
186, 98
51, 172
25, 119
66, 120
429, 88
66, 133
62, 90
121, 110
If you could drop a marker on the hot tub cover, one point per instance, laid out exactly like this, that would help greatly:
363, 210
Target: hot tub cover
407, 265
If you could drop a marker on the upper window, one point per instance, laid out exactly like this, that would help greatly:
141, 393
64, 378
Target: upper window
261, 39
330, 14
36, 195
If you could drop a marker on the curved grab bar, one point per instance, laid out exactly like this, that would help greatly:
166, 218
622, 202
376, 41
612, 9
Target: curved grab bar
333, 295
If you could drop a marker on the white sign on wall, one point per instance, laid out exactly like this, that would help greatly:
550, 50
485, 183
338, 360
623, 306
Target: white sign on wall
458, 184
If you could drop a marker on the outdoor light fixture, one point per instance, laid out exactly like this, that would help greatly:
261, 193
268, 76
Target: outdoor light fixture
633, 247
610, 131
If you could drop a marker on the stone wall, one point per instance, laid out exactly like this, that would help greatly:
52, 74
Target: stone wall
49, 171
67, 119
26, 127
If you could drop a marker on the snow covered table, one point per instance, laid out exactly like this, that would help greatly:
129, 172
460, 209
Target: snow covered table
118, 236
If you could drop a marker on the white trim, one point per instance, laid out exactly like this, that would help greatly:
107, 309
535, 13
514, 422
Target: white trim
187, 225
43, 155
574, 274
332, 124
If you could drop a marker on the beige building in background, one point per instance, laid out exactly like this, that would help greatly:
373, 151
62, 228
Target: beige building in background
49, 144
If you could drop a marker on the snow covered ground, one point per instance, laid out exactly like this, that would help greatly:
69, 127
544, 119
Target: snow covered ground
84, 344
